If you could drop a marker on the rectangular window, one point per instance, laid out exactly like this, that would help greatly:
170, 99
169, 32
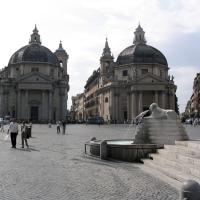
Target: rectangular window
125, 73
144, 71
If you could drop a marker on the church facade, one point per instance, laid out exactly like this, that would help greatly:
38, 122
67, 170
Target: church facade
34, 86
119, 90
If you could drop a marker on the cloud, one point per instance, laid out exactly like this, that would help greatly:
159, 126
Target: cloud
82, 25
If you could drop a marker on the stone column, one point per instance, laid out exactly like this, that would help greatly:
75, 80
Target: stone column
6, 102
19, 104
133, 105
163, 100
50, 105
43, 105
117, 107
140, 102
112, 105
128, 106
26, 105
156, 97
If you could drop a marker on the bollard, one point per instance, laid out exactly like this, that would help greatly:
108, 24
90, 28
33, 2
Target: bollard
190, 190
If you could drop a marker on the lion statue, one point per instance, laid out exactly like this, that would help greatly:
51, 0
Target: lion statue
159, 113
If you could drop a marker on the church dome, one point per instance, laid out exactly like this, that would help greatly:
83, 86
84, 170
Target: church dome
140, 52
34, 52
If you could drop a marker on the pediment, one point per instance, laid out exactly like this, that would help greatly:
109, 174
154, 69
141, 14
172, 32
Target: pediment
150, 78
34, 77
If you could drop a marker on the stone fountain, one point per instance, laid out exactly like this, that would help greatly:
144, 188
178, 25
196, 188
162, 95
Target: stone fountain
156, 127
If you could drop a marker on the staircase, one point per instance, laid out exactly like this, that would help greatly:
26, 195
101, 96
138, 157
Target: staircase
180, 161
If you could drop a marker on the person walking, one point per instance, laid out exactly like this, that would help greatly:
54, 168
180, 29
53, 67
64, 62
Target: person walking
24, 134
63, 126
30, 126
13, 130
58, 127
2, 128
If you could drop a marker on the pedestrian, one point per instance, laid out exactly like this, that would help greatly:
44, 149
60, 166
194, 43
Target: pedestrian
28, 126
24, 134
13, 130
49, 124
195, 122
2, 127
63, 126
58, 127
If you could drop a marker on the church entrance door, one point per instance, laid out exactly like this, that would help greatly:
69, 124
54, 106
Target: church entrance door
34, 113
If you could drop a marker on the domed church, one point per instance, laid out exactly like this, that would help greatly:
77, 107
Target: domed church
34, 86
127, 86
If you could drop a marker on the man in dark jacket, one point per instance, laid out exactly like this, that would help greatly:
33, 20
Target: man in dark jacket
63, 126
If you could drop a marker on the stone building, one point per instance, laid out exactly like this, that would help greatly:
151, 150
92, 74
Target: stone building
91, 95
77, 108
193, 106
34, 86
121, 89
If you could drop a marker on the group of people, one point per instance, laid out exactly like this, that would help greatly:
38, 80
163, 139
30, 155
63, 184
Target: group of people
26, 129
25, 132
58, 126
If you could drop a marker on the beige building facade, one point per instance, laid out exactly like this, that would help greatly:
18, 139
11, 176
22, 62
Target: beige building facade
34, 86
126, 87
193, 106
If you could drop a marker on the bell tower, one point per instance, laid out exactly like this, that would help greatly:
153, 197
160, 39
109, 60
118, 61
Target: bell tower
106, 62
62, 57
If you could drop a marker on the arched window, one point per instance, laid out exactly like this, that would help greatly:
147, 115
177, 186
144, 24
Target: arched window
106, 100
61, 64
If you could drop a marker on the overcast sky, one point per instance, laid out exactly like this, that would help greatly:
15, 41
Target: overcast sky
172, 26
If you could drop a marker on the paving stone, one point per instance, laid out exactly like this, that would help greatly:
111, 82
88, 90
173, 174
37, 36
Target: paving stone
55, 167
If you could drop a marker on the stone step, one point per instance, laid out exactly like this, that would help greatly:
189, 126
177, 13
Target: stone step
170, 172
195, 144
166, 139
178, 165
182, 149
160, 121
165, 133
181, 157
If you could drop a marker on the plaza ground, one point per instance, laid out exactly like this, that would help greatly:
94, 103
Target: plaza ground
55, 167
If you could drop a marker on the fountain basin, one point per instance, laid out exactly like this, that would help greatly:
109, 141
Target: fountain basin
123, 150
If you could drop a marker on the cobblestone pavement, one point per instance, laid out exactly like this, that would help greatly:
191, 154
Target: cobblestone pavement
55, 168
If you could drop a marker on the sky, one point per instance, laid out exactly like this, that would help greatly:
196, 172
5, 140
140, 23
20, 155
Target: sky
171, 26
